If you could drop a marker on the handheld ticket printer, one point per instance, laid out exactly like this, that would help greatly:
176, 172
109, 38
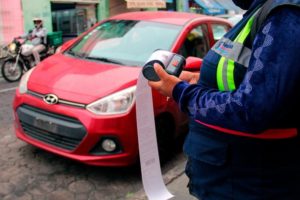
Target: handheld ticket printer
171, 62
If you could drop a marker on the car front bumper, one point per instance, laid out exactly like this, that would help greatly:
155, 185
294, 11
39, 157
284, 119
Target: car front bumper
75, 133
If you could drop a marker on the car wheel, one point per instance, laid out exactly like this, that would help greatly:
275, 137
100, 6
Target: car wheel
165, 128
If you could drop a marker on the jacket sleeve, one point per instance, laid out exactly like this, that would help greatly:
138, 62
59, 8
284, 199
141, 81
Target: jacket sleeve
25, 35
41, 33
269, 88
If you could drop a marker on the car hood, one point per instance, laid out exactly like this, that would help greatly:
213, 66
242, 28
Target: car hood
79, 80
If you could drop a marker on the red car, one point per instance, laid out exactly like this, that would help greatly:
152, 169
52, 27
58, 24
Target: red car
80, 103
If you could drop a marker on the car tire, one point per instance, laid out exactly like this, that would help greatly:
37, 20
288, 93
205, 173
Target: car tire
165, 129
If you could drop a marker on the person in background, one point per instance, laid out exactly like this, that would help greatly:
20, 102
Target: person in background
244, 141
38, 40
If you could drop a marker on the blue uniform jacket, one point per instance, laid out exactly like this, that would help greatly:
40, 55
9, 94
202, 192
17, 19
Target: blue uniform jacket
268, 95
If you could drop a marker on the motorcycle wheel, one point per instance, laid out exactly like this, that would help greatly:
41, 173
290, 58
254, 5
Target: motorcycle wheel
10, 71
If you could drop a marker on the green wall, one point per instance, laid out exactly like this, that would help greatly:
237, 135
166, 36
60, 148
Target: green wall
37, 8
42, 9
103, 9
182, 5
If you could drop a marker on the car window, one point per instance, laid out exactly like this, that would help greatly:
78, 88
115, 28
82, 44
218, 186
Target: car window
219, 30
126, 41
196, 43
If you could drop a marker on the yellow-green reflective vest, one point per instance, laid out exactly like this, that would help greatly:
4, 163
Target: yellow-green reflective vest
232, 52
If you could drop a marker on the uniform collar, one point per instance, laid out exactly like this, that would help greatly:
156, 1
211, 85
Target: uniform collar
254, 6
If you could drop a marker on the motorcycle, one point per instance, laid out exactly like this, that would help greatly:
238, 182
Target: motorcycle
16, 64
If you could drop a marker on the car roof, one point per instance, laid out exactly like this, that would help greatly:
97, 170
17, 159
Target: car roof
170, 17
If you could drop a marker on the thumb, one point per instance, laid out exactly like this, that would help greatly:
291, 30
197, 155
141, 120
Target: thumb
160, 71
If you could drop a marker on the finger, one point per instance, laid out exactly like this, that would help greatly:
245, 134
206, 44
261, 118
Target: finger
154, 84
162, 74
185, 76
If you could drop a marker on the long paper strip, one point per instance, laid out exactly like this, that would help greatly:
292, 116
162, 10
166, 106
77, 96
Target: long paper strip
149, 159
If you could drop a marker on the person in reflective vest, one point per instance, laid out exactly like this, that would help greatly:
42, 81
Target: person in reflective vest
243, 142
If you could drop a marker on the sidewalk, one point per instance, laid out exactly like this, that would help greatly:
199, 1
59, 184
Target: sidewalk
178, 188
176, 182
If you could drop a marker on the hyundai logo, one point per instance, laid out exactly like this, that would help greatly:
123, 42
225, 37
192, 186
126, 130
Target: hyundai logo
51, 99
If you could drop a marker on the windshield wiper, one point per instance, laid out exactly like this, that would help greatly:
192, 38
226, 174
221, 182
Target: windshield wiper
103, 59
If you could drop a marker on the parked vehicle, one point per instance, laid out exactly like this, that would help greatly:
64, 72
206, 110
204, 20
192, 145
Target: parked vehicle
80, 102
3, 54
3, 51
234, 19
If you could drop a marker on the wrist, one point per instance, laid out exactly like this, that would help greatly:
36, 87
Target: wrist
178, 89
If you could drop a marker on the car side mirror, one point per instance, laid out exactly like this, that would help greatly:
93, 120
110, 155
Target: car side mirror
193, 64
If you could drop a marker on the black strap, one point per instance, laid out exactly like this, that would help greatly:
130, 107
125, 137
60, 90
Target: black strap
265, 10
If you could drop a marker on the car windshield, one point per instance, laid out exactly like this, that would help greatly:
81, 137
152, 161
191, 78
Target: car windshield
125, 42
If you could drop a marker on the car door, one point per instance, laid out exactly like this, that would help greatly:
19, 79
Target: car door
196, 41
217, 30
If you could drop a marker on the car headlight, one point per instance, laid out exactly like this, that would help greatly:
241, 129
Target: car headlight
24, 81
117, 103
12, 47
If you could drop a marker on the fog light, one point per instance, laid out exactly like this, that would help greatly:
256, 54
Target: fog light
109, 145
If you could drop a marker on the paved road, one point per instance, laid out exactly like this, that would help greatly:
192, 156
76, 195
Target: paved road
28, 173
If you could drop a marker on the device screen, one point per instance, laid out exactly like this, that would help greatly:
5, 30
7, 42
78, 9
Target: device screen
172, 67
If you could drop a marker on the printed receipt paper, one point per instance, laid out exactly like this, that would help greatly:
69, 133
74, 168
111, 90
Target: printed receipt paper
154, 186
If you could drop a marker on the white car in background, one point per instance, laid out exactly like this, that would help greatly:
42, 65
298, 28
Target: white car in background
234, 19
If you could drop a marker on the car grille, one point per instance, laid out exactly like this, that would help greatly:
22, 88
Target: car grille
57, 130
60, 101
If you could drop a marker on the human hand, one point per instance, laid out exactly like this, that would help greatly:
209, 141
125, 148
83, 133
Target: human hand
167, 82
190, 77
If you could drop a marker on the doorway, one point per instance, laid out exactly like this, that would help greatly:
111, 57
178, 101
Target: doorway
69, 19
